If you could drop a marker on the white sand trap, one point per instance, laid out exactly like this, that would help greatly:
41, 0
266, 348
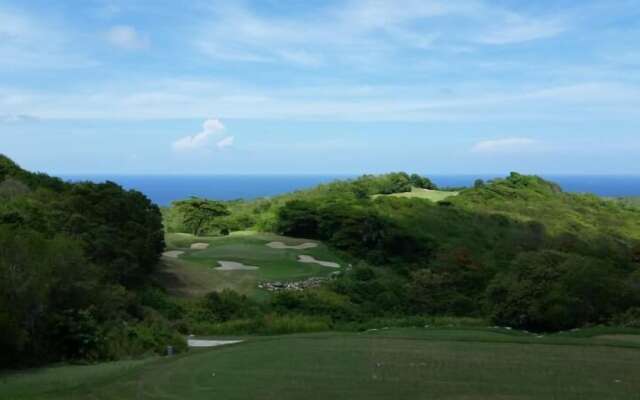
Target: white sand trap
172, 253
199, 246
210, 343
235, 266
310, 260
281, 245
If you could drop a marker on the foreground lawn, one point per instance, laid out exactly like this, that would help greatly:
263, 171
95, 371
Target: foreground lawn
385, 364
193, 273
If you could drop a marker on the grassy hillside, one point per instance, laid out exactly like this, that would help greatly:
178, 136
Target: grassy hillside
516, 250
429, 194
383, 364
529, 198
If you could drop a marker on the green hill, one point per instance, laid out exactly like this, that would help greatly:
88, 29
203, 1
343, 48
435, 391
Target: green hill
85, 273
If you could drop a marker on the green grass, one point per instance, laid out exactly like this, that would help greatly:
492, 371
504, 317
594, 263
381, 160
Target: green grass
405, 363
194, 273
433, 195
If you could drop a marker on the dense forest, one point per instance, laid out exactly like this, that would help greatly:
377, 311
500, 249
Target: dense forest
77, 261
71, 259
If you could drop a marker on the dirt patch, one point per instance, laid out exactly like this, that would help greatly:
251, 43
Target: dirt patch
199, 246
235, 266
172, 253
281, 246
210, 343
620, 337
310, 260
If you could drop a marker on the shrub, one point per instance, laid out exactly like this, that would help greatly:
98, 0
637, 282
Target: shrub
549, 290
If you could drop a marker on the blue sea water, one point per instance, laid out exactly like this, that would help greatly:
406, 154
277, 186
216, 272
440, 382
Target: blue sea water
163, 189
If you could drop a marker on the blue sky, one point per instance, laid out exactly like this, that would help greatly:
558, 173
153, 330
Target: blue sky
207, 87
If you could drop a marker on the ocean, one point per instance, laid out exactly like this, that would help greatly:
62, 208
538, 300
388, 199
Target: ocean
163, 189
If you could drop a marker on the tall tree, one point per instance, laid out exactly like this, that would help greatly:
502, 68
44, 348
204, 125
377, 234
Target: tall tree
198, 212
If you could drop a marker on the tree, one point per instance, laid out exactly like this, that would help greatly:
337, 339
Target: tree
549, 290
478, 183
198, 212
422, 182
299, 218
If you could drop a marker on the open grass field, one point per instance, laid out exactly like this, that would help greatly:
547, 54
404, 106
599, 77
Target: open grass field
193, 272
409, 363
433, 195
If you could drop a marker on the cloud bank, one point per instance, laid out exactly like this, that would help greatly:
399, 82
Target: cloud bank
506, 145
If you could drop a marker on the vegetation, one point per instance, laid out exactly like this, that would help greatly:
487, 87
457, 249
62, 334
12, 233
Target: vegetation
196, 212
71, 258
81, 275
517, 251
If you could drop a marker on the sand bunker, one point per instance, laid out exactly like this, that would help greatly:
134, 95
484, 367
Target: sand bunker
210, 343
281, 245
199, 246
172, 253
310, 260
235, 266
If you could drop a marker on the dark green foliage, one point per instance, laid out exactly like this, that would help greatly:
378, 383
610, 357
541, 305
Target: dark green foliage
316, 302
422, 182
445, 256
226, 305
197, 213
299, 218
122, 229
67, 252
549, 290
439, 294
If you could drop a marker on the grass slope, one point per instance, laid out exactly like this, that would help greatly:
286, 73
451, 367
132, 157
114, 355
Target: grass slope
194, 273
405, 363
433, 195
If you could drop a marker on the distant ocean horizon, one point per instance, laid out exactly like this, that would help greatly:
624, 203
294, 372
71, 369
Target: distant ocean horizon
163, 189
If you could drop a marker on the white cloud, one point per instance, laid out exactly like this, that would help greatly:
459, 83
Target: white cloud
200, 140
127, 37
226, 142
516, 29
27, 41
506, 145
17, 118
363, 31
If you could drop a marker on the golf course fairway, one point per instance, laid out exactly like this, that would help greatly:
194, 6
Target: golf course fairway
408, 363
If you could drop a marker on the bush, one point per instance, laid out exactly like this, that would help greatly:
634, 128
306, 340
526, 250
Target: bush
150, 336
228, 304
268, 324
550, 291
315, 302
275, 324
628, 319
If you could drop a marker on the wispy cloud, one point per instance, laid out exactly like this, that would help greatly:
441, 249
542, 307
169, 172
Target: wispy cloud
127, 37
17, 118
506, 145
158, 99
27, 41
226, 142
516, 29
359, 29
